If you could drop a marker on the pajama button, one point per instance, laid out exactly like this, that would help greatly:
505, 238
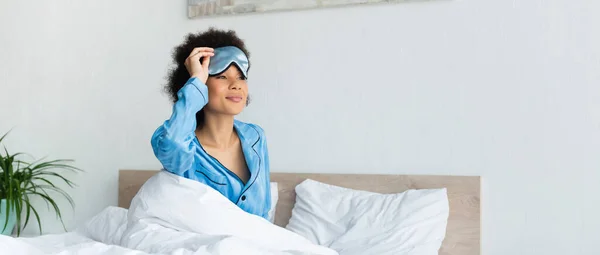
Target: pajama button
243, 197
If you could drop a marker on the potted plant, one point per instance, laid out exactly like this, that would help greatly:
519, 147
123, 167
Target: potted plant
20, 181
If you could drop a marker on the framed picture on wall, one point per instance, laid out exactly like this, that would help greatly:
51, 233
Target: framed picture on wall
203, 8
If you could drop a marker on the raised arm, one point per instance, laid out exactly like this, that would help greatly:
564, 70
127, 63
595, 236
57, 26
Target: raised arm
172, 142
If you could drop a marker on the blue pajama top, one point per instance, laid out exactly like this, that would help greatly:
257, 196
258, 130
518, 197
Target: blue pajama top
177, 148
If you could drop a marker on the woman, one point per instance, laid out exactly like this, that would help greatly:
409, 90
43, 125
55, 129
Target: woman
201, 140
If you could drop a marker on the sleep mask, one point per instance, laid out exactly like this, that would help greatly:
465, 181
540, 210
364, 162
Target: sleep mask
225, 57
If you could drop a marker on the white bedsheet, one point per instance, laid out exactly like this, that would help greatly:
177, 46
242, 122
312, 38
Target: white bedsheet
175, 216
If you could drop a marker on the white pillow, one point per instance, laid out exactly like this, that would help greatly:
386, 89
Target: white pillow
274, 198
360, 222
107, 226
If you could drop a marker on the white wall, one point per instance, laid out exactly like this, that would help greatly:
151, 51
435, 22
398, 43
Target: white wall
508, 90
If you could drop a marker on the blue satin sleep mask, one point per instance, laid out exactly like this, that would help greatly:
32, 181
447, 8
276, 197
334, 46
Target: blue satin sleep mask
225, 57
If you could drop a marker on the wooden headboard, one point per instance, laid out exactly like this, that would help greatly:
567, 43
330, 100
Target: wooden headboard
463, 234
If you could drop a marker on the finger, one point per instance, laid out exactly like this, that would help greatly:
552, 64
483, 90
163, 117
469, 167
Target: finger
206, 62
201, 49
205, 48
199, 55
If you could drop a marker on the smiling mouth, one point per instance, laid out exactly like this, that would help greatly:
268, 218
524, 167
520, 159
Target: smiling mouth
236, 99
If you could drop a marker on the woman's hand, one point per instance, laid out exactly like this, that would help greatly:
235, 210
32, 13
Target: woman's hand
193, 65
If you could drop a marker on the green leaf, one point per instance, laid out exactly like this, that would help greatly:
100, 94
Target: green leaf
70, 183
28, 206
2, 138
60, 191
44, 180
59, 163
7, 214
37, 216
56, 209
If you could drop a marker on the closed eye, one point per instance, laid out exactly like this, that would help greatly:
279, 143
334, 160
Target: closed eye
225, 77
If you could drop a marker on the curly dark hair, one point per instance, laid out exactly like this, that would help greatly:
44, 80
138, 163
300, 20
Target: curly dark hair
214, 38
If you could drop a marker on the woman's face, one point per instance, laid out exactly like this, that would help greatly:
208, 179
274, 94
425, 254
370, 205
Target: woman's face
227, 92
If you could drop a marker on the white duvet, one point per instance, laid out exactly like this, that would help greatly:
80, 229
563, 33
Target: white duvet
175, 216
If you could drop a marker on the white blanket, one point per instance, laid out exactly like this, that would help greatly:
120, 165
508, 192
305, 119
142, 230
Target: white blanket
175, 216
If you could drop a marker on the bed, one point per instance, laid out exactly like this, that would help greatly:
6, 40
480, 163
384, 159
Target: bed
463, 234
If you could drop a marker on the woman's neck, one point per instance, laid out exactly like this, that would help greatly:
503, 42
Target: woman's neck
217, 131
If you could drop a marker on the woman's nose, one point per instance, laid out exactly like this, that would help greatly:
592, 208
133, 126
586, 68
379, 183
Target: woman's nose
236, 85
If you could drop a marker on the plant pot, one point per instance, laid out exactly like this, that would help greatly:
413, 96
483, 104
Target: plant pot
12, 219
